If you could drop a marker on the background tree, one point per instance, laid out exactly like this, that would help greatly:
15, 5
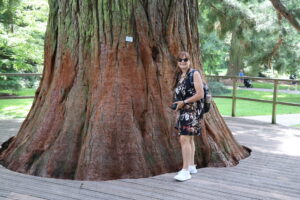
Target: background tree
230, 19
257, 29
8, 13
102, 108
274, 42
22, 29
289, 15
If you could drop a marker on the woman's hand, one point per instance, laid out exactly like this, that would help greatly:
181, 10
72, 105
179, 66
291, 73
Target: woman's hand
180, 104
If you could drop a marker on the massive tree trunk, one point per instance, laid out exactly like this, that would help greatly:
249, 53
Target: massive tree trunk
101, 110
236, 55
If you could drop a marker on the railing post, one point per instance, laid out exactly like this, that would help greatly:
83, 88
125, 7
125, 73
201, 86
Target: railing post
234, 97
274, 102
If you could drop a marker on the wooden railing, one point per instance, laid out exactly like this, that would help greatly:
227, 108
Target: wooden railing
233, 97
275, 92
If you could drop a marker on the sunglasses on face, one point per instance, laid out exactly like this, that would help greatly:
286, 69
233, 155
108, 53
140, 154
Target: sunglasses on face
183, 59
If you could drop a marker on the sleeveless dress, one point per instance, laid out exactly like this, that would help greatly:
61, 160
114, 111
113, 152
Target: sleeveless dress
188, 117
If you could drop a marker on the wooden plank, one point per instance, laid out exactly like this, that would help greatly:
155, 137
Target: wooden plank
20, 74
264, 175
223, 97
4, 194
259, 100
252, 78
196, 190
130, 192
202, 187
288, 104
39, 191
155, 191
233, 182
267, 183
20, 190
16, 196
16, 97
53, 189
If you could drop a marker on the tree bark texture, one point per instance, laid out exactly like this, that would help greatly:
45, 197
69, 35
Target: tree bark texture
101, 110
236, 55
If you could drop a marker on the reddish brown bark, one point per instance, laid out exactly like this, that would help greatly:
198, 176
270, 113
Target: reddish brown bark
277, 45
101, 110
284, 12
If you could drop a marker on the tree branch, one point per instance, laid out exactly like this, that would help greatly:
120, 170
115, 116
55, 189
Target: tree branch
284, 12
274, 50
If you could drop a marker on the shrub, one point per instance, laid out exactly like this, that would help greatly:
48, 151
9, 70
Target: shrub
217, 88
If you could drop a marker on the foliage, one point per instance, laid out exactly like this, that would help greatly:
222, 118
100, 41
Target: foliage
259, 29
218, 88
269, 30
222, 18
22, 27
214, 52
7, 12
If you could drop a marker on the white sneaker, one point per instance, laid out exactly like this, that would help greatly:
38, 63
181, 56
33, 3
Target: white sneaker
183, 175
192, 169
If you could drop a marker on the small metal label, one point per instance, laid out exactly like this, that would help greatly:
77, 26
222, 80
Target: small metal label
129, 39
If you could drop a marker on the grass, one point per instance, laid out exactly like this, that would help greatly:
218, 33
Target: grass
284, 97
251, 108
271, 85
19, 108
23, 92
14, 108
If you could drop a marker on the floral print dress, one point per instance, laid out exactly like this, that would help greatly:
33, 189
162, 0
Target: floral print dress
188, 117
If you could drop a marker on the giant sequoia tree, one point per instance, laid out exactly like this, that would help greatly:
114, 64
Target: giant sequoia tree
101, 110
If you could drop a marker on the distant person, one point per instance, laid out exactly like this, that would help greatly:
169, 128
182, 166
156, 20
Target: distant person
293, 77
241, 74
260, 74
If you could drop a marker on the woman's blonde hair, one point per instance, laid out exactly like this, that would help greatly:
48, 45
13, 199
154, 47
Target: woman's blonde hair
178, 72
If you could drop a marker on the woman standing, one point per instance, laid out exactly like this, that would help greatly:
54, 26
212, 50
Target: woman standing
186, 97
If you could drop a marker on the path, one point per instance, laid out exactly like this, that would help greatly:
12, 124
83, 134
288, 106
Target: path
271, 172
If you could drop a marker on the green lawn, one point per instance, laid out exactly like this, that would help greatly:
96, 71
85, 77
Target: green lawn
251, 108
23, 92
271, 85
19, 108
284, 97
14, 108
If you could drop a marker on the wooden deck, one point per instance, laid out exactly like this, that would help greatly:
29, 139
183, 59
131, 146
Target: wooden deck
271, 172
